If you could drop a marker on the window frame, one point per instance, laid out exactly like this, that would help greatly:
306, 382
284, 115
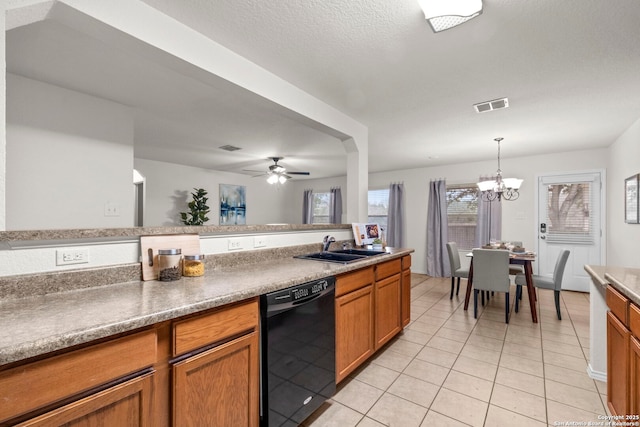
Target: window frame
471, 231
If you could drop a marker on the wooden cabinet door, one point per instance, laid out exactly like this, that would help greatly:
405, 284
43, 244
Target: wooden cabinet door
354, 330
126, 404
618, 339
219, 387
387, 298
635, 376
405, 296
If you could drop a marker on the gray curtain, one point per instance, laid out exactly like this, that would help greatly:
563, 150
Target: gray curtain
335, 206
489, 225
437, 224
307, 207
395, 220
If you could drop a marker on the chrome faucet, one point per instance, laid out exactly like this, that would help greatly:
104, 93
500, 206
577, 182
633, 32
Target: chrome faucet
326, 242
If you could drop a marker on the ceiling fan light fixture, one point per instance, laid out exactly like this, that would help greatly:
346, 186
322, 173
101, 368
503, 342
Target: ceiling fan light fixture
445, 14
272, 179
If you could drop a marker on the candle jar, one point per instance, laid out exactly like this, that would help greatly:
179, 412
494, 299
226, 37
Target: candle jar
169, 264
193, 266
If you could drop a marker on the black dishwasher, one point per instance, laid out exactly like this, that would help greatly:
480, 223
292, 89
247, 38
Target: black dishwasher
297, 351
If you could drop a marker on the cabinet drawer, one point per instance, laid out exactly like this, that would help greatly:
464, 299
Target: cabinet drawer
618, 304
32, 386
634, 320
350, 282
406, 262
388, 268
202, 330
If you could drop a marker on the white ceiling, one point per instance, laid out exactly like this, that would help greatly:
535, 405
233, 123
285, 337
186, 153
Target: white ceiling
570, 68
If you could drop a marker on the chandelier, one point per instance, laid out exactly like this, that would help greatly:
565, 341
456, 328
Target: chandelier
500, 188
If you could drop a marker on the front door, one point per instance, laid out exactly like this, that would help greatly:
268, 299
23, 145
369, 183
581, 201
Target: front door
570, 217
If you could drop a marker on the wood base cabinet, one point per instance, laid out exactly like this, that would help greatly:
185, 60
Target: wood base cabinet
634, 360
617, 366
372, 306
199, 370
126, 404
218, 387
83, 386
388, 323
388, 302
216, 383
405, 294
354, 320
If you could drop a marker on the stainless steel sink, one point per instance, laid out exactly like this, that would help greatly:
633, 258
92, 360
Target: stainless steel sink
344, 256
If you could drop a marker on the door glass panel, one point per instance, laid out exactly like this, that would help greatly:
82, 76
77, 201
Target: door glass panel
568, 215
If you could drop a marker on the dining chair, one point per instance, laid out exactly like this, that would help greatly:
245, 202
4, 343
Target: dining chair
456, 270
491, 273
554, 283
515, 269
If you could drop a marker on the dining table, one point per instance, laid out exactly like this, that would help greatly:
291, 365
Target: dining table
525, 259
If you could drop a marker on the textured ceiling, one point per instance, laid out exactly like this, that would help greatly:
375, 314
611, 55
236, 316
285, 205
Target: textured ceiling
569, 69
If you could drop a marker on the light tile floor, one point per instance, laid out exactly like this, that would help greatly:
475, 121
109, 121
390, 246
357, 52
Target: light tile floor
449, 369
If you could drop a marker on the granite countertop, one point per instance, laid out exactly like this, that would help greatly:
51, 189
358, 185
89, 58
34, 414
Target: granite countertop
41, 324
625, 280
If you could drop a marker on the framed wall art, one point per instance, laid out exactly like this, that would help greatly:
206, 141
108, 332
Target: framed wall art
631, 211
233, 204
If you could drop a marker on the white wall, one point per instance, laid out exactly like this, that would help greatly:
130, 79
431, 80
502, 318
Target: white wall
68, 154
518, 216
3, 145
169, 187
624, 161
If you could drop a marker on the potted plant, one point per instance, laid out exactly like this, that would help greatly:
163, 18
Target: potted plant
198, 209
377, 244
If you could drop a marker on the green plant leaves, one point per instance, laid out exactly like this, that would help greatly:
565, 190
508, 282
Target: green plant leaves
198, 209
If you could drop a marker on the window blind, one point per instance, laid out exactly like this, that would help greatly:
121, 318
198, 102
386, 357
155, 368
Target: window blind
462, 214
569, 215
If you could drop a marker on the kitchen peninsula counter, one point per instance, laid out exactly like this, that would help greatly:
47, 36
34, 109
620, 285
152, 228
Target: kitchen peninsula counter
36, 325
625, 280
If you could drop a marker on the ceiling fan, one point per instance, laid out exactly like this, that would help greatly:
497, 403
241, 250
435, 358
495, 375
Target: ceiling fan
277, 173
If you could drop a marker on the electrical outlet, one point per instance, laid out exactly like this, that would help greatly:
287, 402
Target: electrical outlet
72, 256
259, 242
235, 244
111, 209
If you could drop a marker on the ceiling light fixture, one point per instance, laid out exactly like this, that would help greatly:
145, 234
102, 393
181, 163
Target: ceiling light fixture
500, 188
278, 177
445, 14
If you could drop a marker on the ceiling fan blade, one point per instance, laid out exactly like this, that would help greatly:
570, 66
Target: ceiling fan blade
298, 173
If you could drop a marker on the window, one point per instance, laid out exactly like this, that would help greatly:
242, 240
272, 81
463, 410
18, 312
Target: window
321, 208
378, 210
569, 217
462, 214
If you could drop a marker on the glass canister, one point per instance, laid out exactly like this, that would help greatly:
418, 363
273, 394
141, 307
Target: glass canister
169, 267
193, 266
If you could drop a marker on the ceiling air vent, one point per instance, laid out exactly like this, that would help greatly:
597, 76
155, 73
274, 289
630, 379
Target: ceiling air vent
230, 148
496, 104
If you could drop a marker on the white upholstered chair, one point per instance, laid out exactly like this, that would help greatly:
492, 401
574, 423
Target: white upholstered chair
491, 273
